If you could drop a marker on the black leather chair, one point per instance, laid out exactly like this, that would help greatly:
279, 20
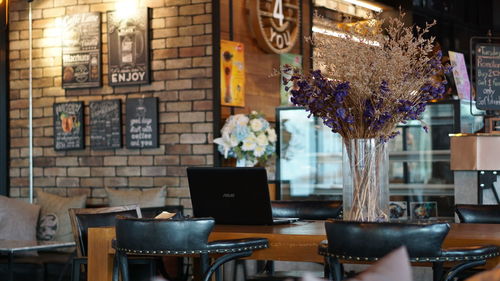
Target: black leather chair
302, 209
367, 241
478, 213
82, 219
172, 237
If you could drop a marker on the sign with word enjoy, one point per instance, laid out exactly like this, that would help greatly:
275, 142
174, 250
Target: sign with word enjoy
276, 25
128, 48
488, 76
105, 124
142, 123
68, 126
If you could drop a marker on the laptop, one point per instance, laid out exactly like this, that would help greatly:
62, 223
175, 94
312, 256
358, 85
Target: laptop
232, 195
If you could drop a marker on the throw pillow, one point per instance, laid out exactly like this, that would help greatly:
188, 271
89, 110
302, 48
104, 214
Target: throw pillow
152, 197
18, 219
59, 206
47, 227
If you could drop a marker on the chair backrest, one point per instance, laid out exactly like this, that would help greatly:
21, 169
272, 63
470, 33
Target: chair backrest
307, 210
82, 219
478, 213
190, 234
374, 240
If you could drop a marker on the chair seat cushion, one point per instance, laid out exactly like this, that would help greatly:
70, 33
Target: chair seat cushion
237, 245
473, 252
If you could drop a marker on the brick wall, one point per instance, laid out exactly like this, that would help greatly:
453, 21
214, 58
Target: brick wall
181, 48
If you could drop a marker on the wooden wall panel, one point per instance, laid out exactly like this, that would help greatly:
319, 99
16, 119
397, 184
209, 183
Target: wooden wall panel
262, 89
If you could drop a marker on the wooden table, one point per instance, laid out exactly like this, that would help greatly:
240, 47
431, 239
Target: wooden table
294, 242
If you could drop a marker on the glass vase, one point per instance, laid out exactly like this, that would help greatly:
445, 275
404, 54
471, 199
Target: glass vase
243, 162
365, 180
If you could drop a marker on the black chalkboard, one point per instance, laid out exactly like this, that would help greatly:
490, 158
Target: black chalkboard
105, 124
142, 123
68, 126
488, 76
81, 50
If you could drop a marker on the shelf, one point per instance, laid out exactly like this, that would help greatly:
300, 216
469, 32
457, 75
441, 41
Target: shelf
420, 155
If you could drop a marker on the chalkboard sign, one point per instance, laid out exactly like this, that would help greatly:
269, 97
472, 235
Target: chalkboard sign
488, 76
105, 124
81, 51
68, 126
128, 48
142, 123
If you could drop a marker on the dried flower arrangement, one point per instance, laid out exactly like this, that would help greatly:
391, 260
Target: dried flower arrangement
384, 78
372, 78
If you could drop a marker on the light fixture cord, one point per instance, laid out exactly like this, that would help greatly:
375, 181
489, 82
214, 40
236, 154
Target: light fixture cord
30, 110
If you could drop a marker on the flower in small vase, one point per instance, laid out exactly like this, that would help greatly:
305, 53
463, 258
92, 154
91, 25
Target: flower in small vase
247, 137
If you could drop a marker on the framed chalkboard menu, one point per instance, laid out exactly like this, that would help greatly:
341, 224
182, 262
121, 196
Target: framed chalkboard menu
488, 76
128, 48
81, 51
68, 126
105, 124
142, 123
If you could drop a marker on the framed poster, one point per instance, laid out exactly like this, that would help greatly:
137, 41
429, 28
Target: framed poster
105, 124
295, 61
142, 123
128, 48
232, 73
81, 51
423, 210
68, 126
460, 75
488, 76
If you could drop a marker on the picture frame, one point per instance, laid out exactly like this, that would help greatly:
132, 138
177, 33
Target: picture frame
105, 124
492, 125
423, 210
141, 123
68, 126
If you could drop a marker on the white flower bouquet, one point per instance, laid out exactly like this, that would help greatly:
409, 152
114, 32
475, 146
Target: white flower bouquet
247, 137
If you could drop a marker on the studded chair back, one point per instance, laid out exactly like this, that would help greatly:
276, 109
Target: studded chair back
478, 213
307, 210
168, 236
369, 241
374, 240
83, 219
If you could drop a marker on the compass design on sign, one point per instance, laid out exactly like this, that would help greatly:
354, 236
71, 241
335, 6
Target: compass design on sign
275, 24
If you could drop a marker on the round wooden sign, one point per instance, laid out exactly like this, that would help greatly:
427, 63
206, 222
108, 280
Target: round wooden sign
275, 24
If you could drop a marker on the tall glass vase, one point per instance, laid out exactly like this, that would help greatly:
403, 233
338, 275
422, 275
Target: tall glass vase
365, 180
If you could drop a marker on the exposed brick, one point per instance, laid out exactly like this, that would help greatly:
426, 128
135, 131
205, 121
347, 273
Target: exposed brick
185, 41
128, 171
66, 161
102, 172
193, 138
167, 181
140, 181
92, 182
115, 181
191, 52
54, 172
192, 116
154, 171
192, 9
179, 84
67, 182
140, 160
189, 160
115, 161
79, 172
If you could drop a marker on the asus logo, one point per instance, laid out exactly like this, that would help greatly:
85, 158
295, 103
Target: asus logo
228, 195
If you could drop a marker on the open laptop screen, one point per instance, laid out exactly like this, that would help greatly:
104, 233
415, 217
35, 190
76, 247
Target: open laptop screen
231, 195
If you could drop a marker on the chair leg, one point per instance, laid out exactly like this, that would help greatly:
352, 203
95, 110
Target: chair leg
461, 267
333, 269
123, 265
221, 260
437, 271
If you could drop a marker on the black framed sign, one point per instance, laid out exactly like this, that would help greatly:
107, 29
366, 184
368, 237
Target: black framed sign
68, 126
488, 76
128, 48
81, 51
105, 124
142, 123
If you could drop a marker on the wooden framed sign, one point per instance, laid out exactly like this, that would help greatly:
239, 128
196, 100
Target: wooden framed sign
81, 51
275, 24
68, 126
105, 124
488, 76
142, 123
128, 48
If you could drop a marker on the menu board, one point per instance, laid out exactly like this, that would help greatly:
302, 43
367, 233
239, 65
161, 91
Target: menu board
488, 76
142, 123
81, 51
105, 124
68, 126
128, 48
